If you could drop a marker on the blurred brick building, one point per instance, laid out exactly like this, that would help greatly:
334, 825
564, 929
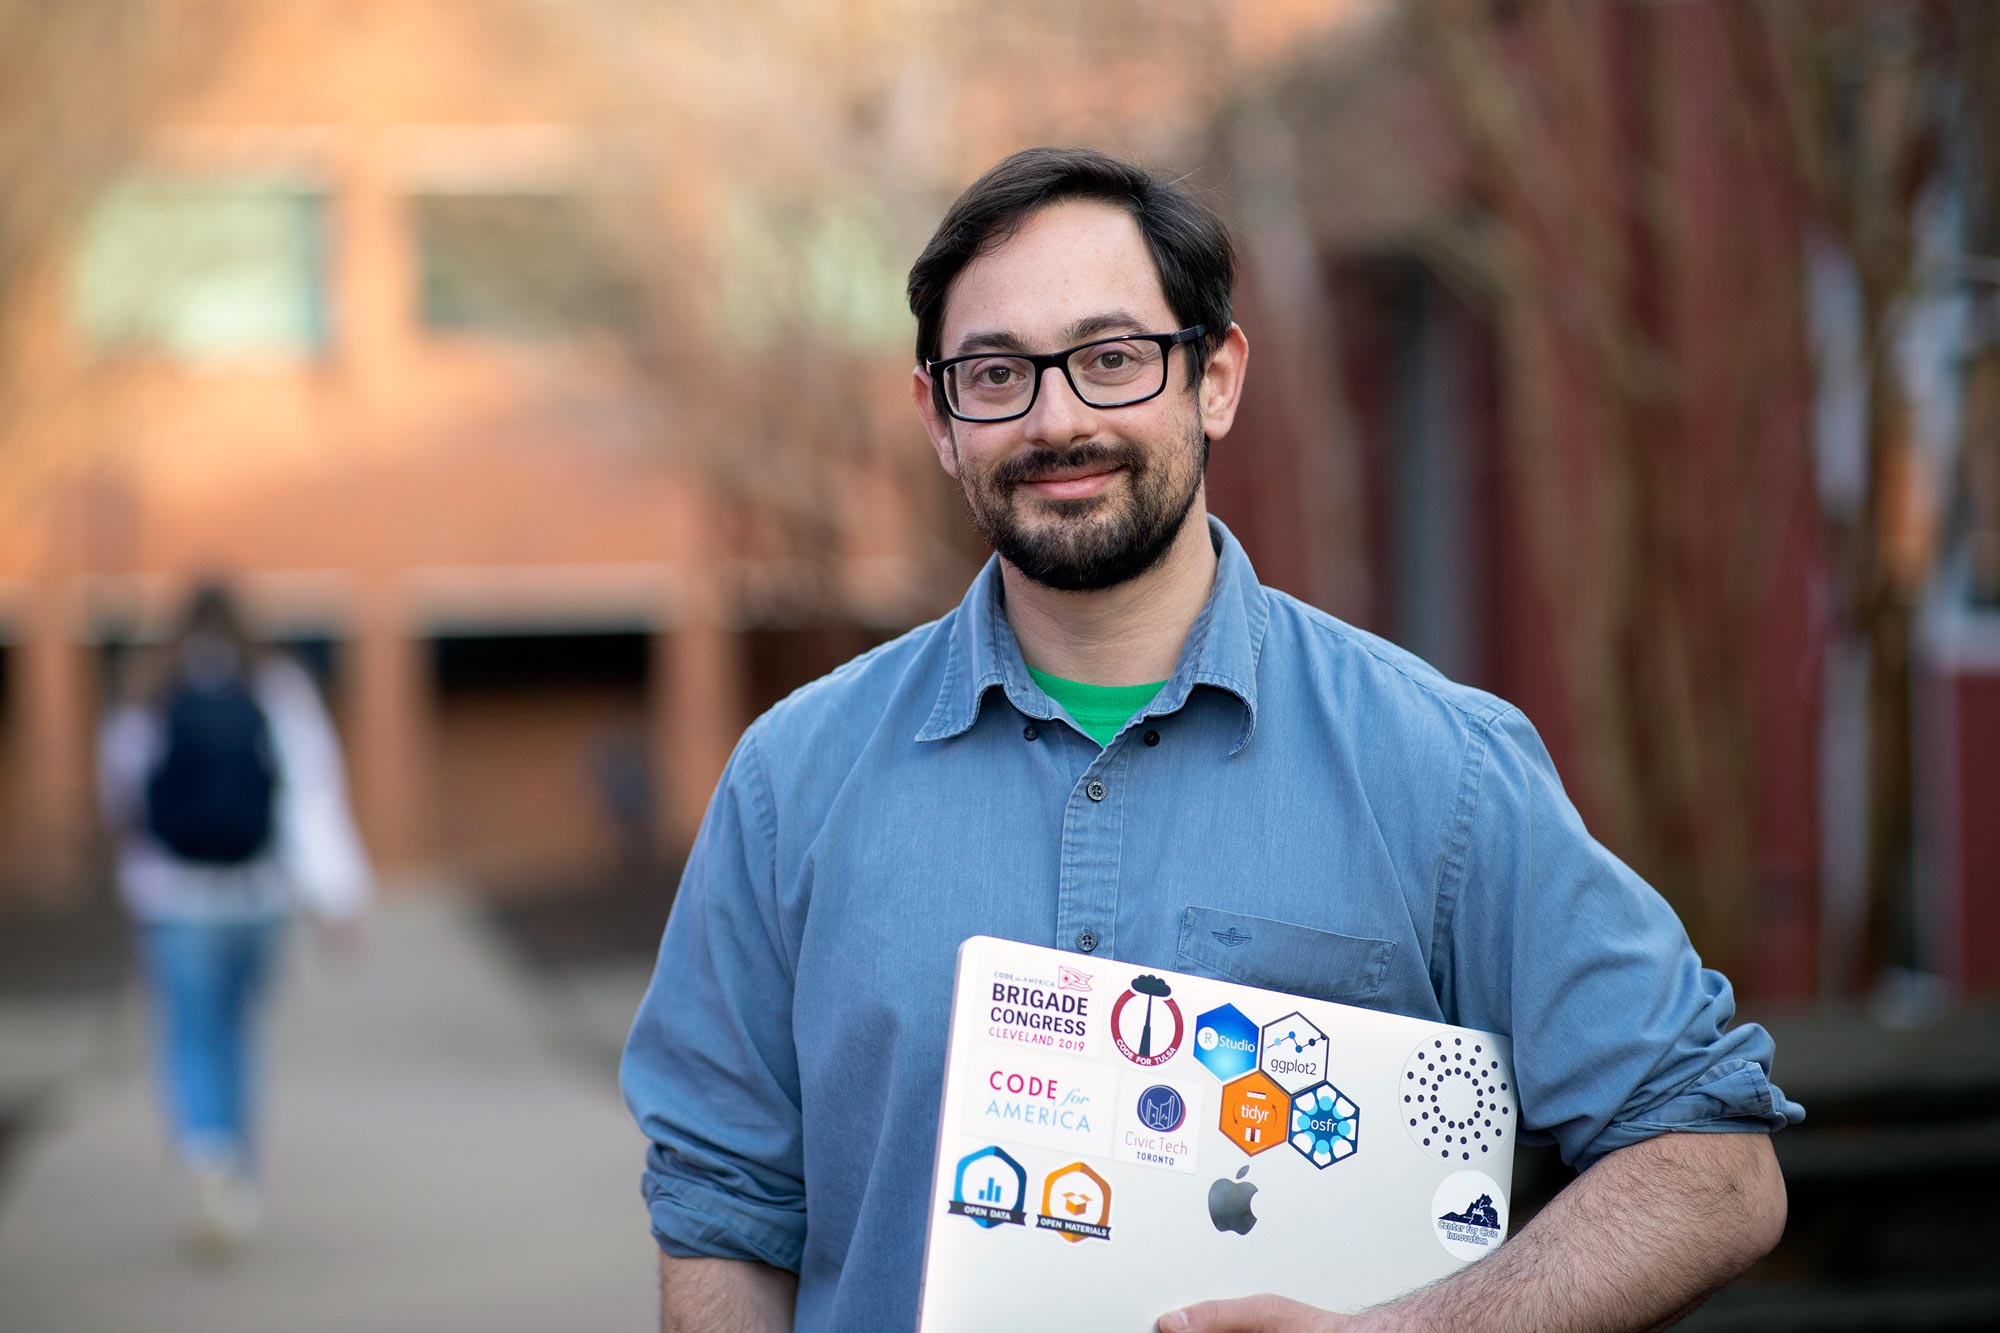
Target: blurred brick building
355, 327
468, 332
452, 326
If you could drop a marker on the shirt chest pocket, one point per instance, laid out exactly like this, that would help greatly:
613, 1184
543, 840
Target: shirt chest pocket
1280, 956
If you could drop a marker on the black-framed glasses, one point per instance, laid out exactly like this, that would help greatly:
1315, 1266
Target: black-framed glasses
1108, 372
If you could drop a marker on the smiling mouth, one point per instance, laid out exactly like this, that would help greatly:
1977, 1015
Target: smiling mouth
1073, 483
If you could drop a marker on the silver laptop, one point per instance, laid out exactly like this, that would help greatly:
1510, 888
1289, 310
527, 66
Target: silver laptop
1117, 1142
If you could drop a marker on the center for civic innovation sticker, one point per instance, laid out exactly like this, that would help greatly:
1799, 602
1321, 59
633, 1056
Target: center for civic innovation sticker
1469, 1214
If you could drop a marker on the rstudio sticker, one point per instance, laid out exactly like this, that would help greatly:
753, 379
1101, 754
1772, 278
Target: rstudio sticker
1469, 1213
1134, 1029
1225, 1042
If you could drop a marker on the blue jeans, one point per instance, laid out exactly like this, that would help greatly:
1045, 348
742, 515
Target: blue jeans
208, 983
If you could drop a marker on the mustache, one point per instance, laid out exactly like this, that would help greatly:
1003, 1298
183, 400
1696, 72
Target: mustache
1038, 463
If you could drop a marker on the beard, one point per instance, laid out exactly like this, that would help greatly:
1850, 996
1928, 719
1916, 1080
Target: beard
1097, 541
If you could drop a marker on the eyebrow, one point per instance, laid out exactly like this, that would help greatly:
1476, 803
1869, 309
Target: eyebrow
1080, 331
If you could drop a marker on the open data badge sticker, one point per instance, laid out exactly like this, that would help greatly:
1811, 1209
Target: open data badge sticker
1458, 1102
998, 1185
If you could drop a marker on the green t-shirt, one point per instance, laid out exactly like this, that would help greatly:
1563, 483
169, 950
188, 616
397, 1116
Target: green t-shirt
1099, 709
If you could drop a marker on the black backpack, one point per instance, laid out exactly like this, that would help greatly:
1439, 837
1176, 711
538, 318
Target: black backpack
210, 797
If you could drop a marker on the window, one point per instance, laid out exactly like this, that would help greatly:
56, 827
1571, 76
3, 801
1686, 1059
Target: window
831, 271
204, 270
516, 264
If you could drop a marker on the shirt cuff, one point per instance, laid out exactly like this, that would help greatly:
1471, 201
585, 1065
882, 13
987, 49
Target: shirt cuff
1735, 1097
696, 1221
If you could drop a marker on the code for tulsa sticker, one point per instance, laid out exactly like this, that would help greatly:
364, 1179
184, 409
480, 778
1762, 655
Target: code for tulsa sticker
1469, 1214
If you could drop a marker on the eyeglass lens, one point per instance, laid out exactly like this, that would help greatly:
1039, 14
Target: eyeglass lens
1109, 374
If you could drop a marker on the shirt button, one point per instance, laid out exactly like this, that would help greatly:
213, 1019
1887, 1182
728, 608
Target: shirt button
1095, 791
1152, 738
1086, 940
1030, 731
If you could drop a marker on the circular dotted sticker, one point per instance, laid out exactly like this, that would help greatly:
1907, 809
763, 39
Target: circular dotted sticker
1469, 1214
1458, 1102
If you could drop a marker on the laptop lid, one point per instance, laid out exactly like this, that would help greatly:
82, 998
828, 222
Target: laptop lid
1116, 1142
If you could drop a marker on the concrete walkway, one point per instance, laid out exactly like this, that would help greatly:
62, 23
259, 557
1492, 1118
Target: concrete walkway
444, 1152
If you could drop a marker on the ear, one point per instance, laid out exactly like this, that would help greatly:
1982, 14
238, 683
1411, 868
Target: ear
936, 424
1222, 383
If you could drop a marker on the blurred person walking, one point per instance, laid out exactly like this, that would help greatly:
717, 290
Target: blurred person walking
221, 779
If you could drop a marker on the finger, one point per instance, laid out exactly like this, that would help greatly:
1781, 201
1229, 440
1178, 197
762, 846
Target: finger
1247, 1314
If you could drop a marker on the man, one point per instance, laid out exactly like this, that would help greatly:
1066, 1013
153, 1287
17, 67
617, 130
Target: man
1121, 744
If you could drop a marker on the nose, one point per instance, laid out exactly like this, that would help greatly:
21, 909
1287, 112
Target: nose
1058, 417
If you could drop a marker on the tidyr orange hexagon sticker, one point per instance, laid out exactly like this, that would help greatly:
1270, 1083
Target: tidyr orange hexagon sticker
1253, 1112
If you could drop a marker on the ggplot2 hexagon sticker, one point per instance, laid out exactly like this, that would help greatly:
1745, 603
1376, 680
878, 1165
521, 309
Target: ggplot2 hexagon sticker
1293, 1052
1226, 1042
1325, 1126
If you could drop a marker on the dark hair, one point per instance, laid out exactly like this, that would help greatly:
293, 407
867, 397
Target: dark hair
212, 610
1190, 247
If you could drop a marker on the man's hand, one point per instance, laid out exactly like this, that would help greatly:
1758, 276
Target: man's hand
1633, 1243
1255, 1314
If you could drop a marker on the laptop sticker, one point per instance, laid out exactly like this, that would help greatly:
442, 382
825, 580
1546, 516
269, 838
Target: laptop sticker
1293, 1052
1225, 1042
991, 1188
1061, 1104
1133, 1028
1076, 1204
1469, 1214
1158, 1124
1457, 1103
1049, 1011
1253, 1113
1326, 1126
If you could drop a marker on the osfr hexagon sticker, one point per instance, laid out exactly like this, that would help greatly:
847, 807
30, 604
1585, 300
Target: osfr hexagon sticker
1326, 1126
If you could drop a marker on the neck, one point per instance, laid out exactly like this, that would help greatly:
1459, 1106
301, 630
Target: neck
1128, 635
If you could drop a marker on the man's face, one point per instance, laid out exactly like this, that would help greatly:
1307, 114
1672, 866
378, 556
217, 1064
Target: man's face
1075, 497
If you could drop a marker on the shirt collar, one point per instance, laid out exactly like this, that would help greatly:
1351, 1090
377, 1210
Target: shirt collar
1221, 650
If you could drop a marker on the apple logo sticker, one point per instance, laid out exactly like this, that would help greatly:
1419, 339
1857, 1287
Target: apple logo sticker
1229, 1204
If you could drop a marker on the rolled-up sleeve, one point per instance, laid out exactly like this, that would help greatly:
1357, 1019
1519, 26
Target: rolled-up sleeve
710, 1071
1619, 1033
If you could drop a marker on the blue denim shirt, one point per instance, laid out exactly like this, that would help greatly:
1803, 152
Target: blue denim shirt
1382, 836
